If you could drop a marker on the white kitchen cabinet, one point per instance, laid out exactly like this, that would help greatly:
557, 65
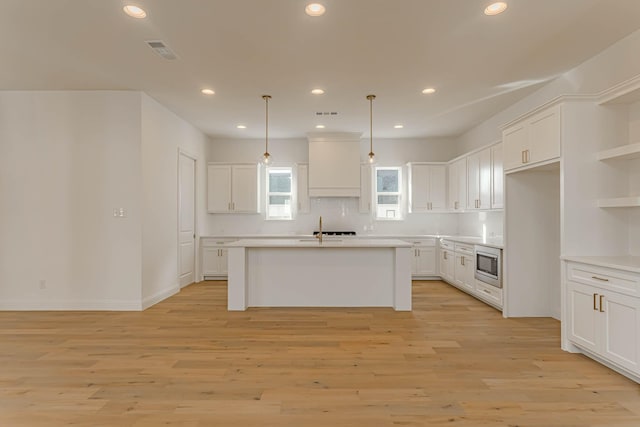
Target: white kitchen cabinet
232, 188
423, 262
603, 314
427, 187
366, 178
497, 177
532, 139
214, 258
446, 265
302, 185
457, 200
464, 268
479, 180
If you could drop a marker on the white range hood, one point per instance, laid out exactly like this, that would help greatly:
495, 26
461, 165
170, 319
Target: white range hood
334, 164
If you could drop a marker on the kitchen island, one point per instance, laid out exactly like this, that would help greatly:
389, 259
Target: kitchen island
348, 272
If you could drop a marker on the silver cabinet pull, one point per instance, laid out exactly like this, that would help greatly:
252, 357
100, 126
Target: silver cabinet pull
600, 278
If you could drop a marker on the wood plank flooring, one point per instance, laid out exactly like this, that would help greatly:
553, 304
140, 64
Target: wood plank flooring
188, 362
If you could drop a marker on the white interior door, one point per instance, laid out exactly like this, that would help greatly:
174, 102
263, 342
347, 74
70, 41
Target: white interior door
186, 220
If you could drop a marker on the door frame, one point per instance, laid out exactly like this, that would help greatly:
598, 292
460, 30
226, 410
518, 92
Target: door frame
196, 255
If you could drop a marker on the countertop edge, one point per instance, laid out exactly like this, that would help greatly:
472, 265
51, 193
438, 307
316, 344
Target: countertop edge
624, 262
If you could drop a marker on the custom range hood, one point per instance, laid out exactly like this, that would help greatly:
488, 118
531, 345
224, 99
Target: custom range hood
334, 164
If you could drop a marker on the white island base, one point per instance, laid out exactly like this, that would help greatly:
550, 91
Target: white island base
304, 273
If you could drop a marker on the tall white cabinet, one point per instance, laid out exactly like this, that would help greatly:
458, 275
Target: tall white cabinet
457, 200
479, 180
427, 187
233, 188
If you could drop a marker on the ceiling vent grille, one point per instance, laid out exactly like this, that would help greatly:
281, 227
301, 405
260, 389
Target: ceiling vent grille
161, 49
326, 113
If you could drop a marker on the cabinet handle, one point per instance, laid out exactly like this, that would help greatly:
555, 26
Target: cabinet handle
486, 291
461, 260
600, 278
445, 255
594, 302
522, 157
601, 309
455, 205
528, 156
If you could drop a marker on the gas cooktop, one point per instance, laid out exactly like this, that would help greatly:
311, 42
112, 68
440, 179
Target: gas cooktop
336, 233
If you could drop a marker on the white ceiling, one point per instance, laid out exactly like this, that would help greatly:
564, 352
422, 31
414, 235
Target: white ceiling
245, 48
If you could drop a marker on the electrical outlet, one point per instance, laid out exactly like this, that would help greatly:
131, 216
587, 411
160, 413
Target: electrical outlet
120, 212
43, 284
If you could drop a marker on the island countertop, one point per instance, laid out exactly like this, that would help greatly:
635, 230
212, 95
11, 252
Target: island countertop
328, 242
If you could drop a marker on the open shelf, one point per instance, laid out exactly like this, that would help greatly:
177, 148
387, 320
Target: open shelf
620, 202
625, 152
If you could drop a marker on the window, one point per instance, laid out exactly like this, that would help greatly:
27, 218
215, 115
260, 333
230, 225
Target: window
279, 193
388, 193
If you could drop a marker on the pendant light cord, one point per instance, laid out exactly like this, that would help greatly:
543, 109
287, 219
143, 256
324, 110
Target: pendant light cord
266, 123
371, 98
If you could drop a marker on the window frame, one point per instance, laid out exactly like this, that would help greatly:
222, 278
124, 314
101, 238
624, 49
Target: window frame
269, 193
399, 193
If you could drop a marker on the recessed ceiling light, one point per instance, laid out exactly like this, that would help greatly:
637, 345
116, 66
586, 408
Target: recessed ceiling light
134, 11
428, 90
495, 8
241, 126
207, 91
317, 92
315, 9
398, 126
320, 126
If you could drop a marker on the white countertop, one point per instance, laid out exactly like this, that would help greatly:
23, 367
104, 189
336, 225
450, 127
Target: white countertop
495, 242
623, 262
328, 242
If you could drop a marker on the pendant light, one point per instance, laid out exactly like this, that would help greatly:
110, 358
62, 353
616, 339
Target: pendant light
372, 156
266, 157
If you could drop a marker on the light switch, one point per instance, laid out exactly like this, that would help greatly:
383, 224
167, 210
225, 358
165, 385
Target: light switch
119, 212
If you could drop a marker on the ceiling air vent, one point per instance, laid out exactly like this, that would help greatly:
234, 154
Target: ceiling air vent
326, 113
161, 49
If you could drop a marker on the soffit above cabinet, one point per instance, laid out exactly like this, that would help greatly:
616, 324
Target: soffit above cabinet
334, 164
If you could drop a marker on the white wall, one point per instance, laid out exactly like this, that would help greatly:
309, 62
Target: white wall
163, 133
485, 224
337, 213
67, 159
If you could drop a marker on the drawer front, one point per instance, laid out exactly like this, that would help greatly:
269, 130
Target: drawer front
423, 242
489, 293
446, 244
213, 243
606, 278
465, 249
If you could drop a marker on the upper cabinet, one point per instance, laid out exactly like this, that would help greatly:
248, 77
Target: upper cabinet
497, 177
427, 187
533, 139
334, 164
302, 182
458, 185
232, 188
366, 178
479, 180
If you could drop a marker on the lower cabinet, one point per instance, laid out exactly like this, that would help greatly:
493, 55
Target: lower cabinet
604, 319
464, 267
214, 260
423, 262
457, 267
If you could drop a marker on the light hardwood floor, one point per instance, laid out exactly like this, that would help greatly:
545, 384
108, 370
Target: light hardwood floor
187, 361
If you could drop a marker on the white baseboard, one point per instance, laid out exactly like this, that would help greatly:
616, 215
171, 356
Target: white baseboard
69, 305
159, 296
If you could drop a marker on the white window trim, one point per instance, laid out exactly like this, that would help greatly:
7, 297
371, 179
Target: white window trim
291, 194
399, 193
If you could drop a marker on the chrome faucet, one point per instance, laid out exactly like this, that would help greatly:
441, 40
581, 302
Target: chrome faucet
319, 235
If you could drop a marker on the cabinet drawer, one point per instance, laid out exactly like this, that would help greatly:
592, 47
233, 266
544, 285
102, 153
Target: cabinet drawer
606, 278
213, 243
445, 244
464, 248
423, 242
489, 293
